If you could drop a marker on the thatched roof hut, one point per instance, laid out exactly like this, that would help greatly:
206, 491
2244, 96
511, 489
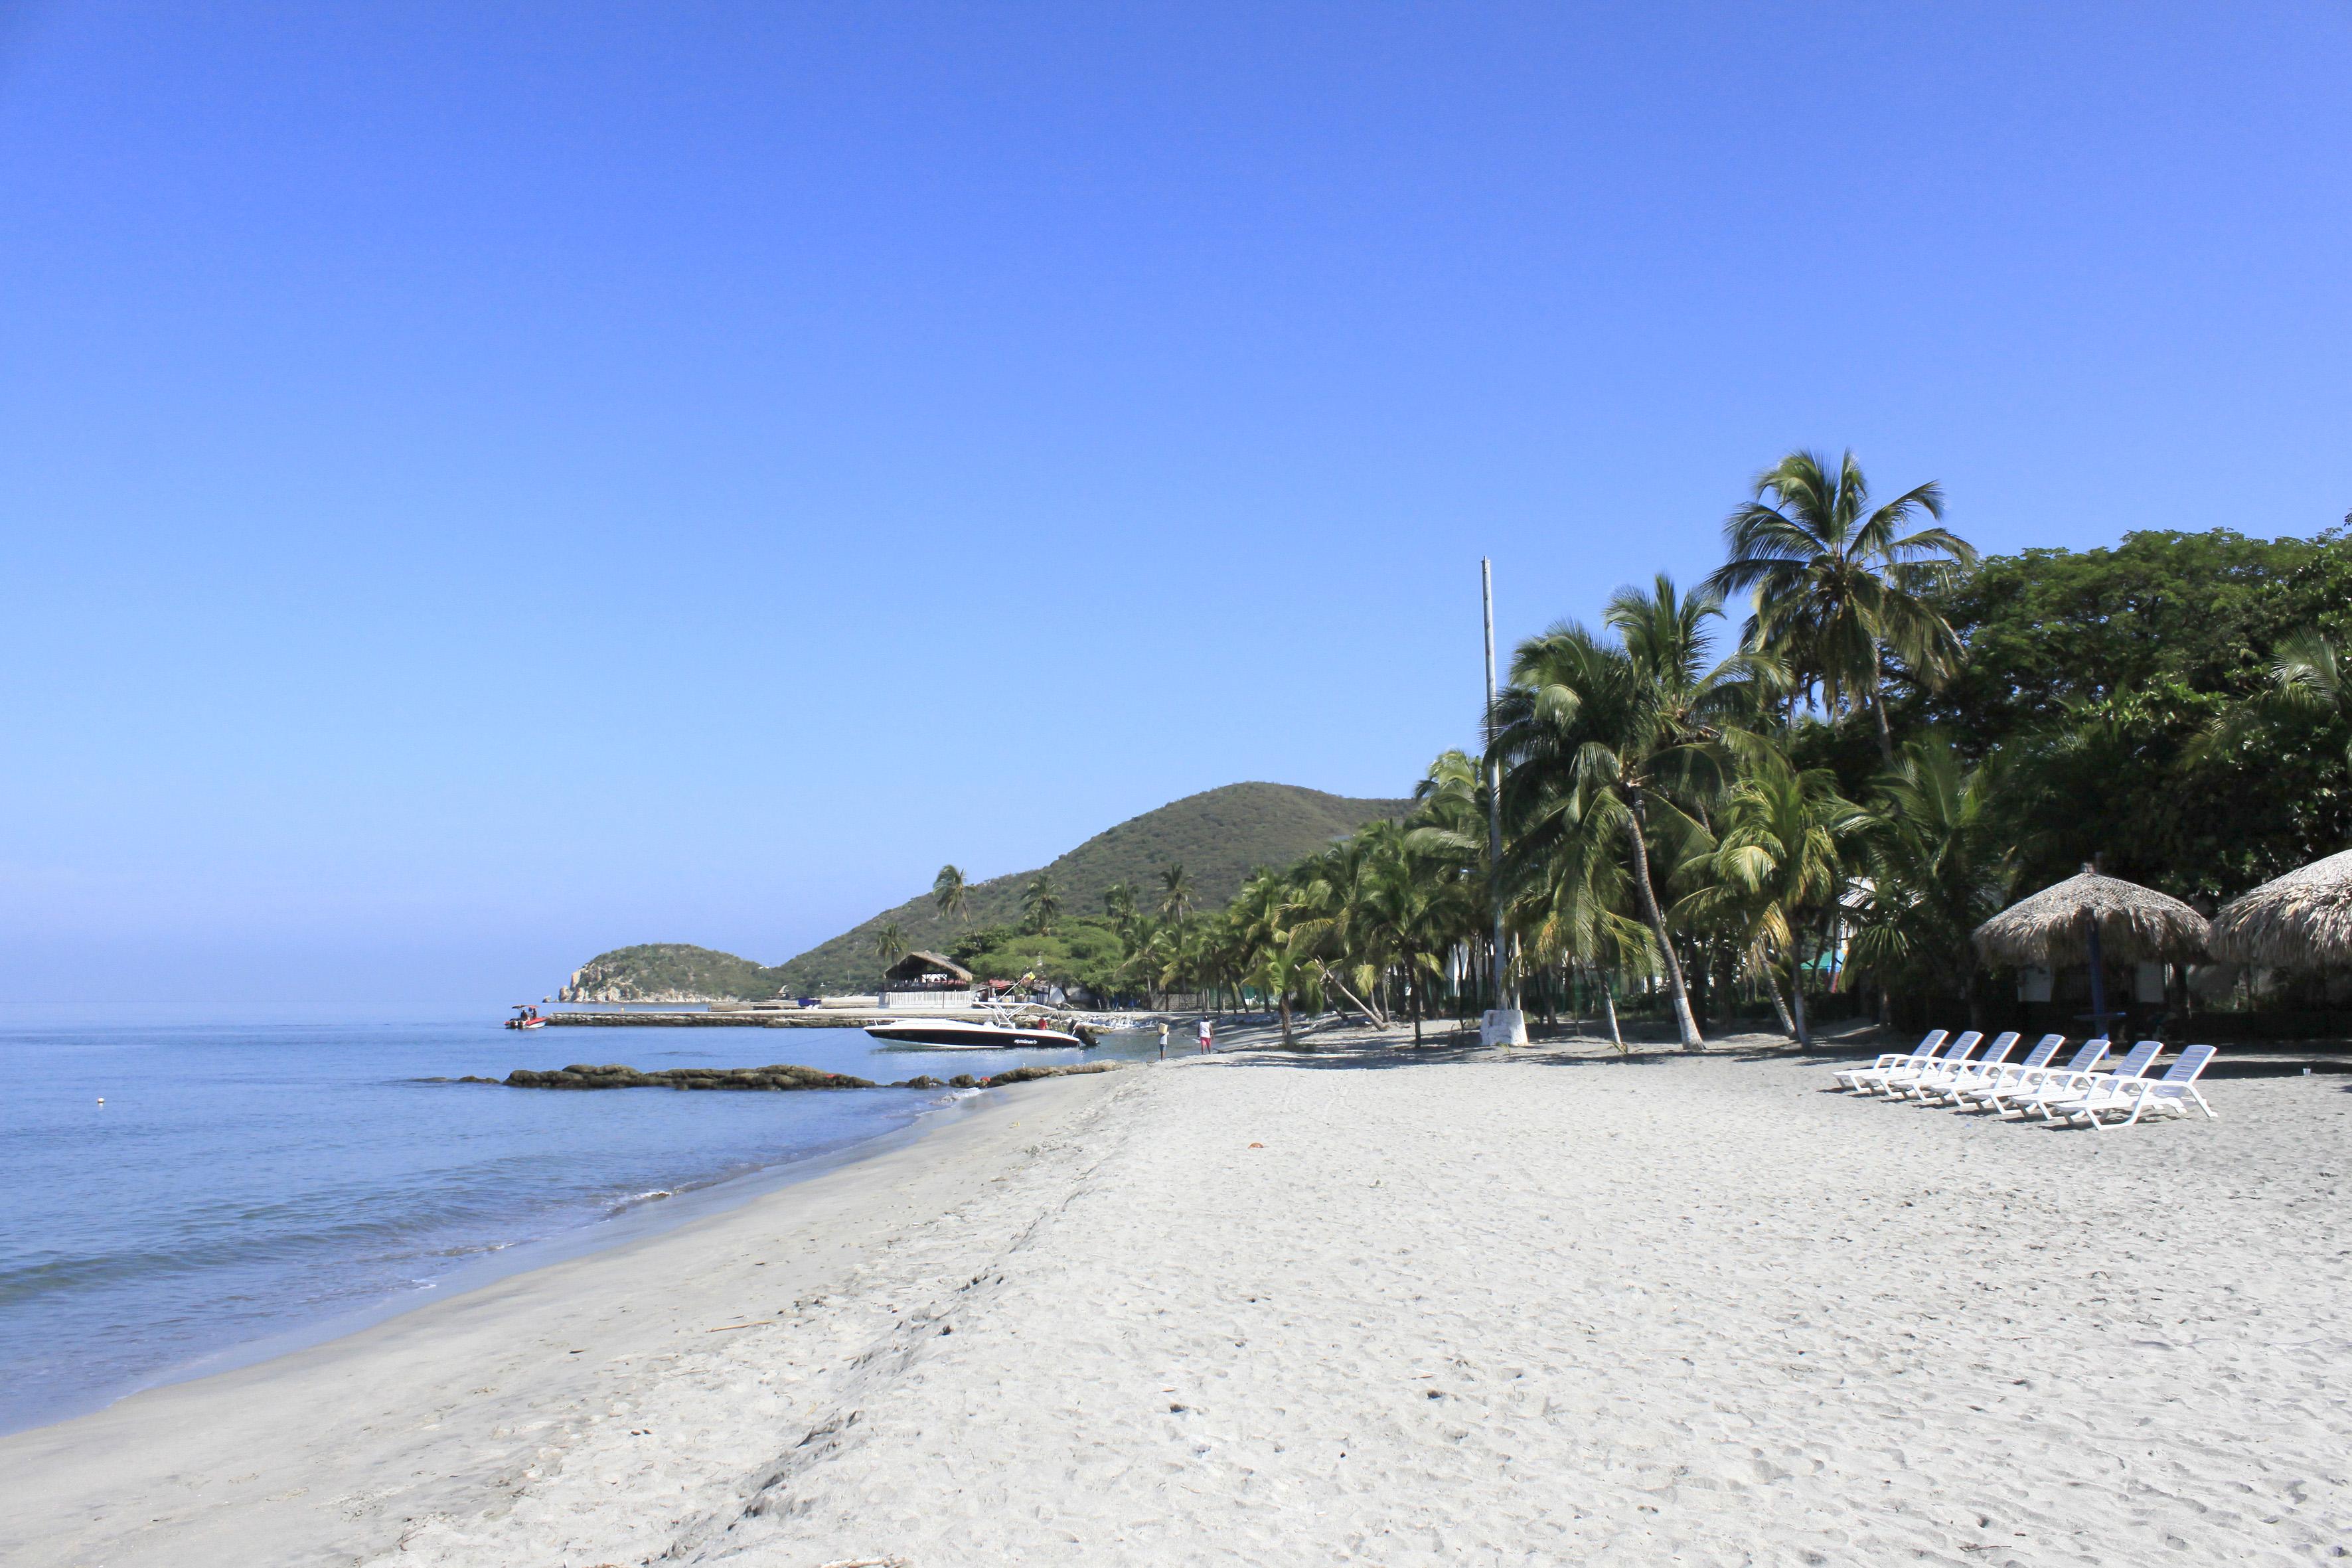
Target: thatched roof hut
2302, 920
2053, 928
917, 967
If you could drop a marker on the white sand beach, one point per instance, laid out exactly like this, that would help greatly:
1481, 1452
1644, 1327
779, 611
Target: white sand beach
1359, 1306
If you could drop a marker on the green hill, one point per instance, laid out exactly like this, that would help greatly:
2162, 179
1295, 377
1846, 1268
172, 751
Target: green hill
668, 972
1218, 836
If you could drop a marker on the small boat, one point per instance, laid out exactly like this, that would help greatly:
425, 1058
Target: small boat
526, 1018
999, 1033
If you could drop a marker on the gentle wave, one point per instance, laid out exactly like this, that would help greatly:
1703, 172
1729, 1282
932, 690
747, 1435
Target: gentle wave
241, 1182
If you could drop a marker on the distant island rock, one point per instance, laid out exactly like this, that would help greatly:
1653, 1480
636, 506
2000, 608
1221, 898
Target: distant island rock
669, 972
1219, 835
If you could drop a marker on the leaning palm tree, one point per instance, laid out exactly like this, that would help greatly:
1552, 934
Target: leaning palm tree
1375, 912
1612, 742
950, 892
1838, 586
1041, 902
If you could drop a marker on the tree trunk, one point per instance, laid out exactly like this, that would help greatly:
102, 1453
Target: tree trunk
1796, 1003
1412, 991
1878, 711
1609, 1005
1374, 1014
1779, 1003
1285, 1018
1684, 1024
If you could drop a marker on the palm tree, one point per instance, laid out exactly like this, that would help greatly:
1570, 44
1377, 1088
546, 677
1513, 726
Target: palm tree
1119, 903
1607, 741
2311, 675
890, 943
2311, 679
1838, 586
1262, 914
1940, 865
950, 892
1040, 902
1448, 834
1335, 923
1574, 910
1775, 871
1175, 893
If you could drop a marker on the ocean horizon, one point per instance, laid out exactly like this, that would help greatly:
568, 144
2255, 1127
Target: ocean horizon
253, 1182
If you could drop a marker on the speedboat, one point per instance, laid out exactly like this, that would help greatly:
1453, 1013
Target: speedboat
999, 1033
526, 1018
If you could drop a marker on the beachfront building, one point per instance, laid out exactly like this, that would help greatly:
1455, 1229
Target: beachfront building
926, 980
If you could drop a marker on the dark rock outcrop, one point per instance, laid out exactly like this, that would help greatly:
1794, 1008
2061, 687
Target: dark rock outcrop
1030, 1075
613, 1075
780, 1076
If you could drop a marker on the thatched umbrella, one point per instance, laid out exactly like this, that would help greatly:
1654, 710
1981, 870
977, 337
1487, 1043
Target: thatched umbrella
2303, 921
2088, 918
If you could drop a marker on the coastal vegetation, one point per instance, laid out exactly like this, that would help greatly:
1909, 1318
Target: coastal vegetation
1216, 835
1808, 797
1795, 788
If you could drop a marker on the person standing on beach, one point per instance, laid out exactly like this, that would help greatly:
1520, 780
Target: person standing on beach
1208, 1037
1163, 1042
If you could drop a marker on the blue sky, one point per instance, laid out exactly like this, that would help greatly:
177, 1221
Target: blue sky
485, 484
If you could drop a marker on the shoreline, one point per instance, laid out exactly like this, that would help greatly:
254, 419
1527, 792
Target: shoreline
256, 1463
640, 1219
1363, 1303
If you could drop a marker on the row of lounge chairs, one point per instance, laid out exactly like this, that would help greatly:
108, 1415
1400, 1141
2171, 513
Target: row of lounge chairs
2078, 1091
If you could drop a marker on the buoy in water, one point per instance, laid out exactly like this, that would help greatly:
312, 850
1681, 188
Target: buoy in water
101, 1099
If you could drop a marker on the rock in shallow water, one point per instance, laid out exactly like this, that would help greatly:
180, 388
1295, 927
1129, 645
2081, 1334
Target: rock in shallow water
781, 1075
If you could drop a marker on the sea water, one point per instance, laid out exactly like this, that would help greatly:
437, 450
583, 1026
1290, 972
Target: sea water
246, 1185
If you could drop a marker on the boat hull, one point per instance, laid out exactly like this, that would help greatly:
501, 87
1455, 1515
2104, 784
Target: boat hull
955, 1035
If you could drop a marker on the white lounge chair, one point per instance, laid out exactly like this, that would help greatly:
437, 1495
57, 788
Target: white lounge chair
1930, 1044
1940, 1082
1976, 1088
1895, 1081
2130, 1069
2002, 1098
2166, 1095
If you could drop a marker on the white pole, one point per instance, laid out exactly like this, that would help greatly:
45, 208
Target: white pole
1493, 783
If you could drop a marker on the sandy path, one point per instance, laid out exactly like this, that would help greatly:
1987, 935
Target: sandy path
1534, 1311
